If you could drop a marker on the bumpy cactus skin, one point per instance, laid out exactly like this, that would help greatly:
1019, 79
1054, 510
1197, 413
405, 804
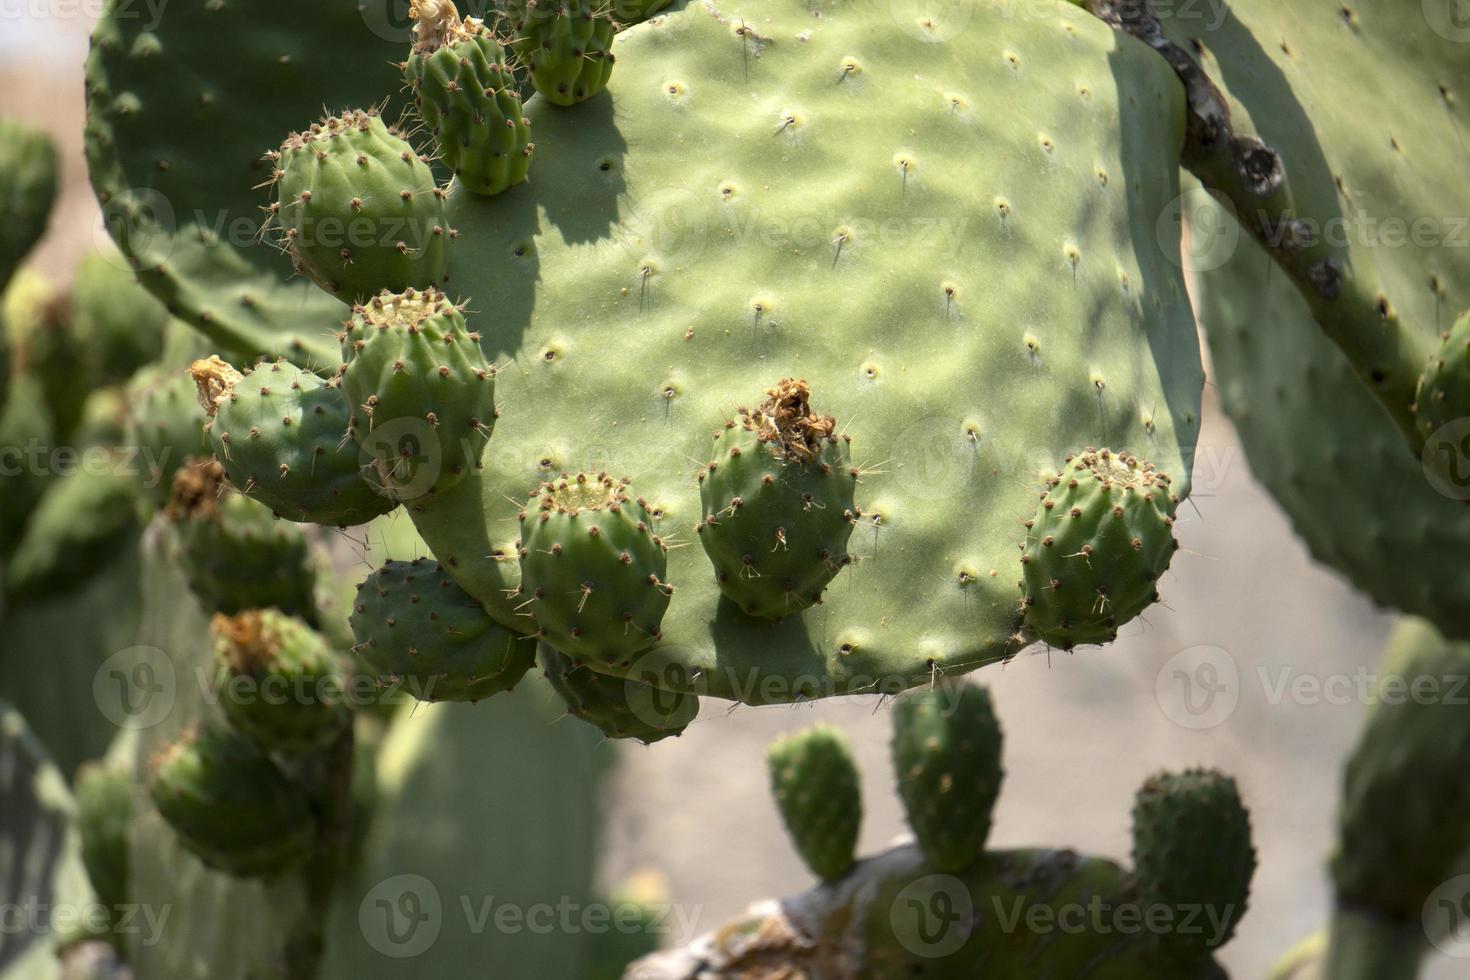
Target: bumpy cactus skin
816, 786
420, 389
230, 805
279, 682
620, 707
1443, 398
417, 629
947, 759
593, 572
466, 93
567, 45
778, 503
1094, 552
235, 555
1192, 849
358, 209
283, 436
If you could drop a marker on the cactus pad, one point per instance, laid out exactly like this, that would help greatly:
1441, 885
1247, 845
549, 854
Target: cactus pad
620, 707
165, 427
1192, 850
279, 682
1443, 399
947, 759
282, 436
418, 630
1094, 552
421, 391
28, 168
779, 504
818, 790
358, 209
593, 572
230, 805
467, 94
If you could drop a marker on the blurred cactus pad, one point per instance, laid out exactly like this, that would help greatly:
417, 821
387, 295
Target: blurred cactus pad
931, 220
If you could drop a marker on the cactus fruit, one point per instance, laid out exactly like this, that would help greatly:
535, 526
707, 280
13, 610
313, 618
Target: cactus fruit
281, 435
593, 572
1192, 850
235, 555
28, 168
1443, 398
947, 759
567, 46
422, 393
417, 629
778, 504
620, 707
358, 209
816, 785
165, 428
104, 795
279, 682
1096, 548
228, 803
467, 94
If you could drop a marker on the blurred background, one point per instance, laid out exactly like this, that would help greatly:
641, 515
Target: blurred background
1252, 663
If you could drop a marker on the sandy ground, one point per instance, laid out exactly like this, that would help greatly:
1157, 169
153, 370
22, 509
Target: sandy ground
1244, 610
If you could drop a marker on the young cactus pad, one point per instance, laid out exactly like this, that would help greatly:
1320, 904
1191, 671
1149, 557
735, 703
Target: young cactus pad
418, 630
566, 45
932, 222
818, 790
947, 759
230, 805
778, 504
1095, 549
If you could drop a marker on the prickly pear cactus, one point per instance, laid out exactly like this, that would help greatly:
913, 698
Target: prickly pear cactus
1443, 401
1297, 400
619, 707
816, 785
566, 45
946, 756
27, 190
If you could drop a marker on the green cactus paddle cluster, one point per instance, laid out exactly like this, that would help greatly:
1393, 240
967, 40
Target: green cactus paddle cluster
817, 788
1192, 850
416, 629
283, 437
279, 682
778, 504
467, 94
593, 572
620, 707
230, 805
233, 553
1443, 398
1096, 548
947, 759
420, 389
358, 208
566, 45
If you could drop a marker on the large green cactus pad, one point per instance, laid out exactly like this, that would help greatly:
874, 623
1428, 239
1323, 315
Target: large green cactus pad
945, 226
1382, 162
181, 109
